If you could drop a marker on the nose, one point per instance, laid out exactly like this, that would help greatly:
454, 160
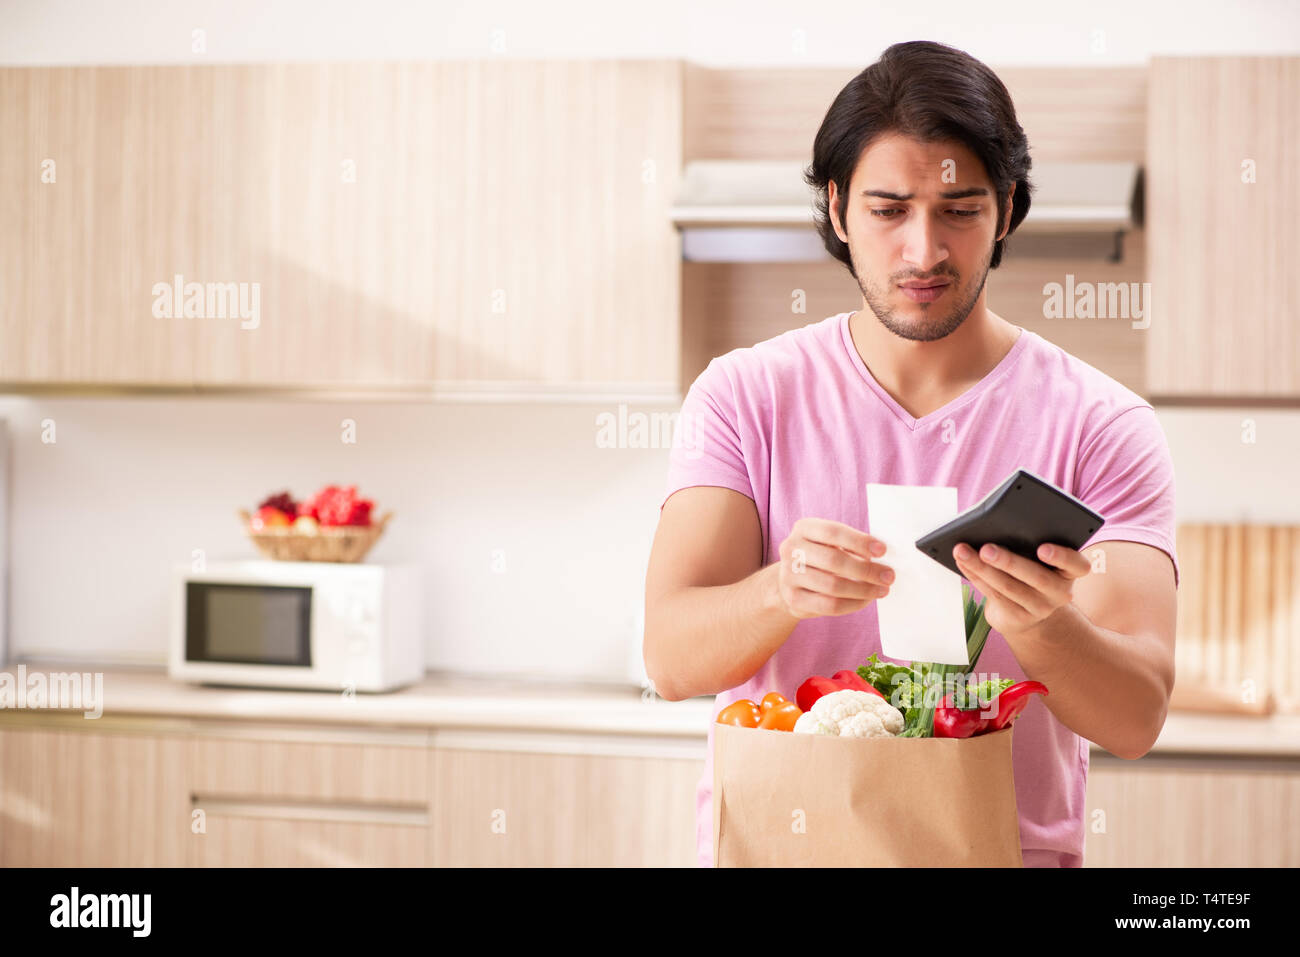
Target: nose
922, 248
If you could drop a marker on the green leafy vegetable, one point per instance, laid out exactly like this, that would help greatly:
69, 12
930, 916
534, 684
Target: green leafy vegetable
881, 675
979, 695
920, 688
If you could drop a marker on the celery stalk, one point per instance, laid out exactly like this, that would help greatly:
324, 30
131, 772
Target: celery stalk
921, 724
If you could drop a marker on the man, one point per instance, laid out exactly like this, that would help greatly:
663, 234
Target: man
922, 171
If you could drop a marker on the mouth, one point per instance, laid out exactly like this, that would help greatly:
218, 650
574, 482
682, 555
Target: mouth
927, 291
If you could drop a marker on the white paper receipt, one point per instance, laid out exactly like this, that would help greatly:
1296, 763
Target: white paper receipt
921, 619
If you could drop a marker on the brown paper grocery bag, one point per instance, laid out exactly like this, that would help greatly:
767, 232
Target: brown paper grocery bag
809, 800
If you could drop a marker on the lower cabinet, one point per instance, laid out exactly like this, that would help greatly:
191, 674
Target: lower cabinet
150, 793
331, 799
72, 798
1192, 811
501, 808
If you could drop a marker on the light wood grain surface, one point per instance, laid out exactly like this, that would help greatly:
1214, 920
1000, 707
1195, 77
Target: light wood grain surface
1238, 618
1223, 251
486, 225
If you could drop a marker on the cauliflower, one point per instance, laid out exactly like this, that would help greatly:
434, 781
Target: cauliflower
809, 723
851, 714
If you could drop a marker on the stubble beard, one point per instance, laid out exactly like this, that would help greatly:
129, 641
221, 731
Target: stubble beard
927, 327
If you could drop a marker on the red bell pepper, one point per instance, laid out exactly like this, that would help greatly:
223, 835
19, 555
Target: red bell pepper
953, 722
817, 685
1012, 701
854, 681
814, 688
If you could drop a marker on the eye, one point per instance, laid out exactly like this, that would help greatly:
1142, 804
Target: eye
965, 213
882, 212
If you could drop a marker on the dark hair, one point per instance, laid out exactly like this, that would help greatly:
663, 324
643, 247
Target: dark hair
931, 92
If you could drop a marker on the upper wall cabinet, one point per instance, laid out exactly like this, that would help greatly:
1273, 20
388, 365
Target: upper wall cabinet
560, 264
97, 205
493, 225
1223, 227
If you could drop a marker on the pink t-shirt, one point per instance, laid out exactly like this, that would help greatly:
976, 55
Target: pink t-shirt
798, 424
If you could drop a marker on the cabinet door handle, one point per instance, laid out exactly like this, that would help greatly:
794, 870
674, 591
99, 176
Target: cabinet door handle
305, 810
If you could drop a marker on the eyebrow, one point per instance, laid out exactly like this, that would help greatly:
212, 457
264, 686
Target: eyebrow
953, 194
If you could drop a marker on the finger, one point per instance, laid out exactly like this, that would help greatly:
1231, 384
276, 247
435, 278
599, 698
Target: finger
976, 576
814, 579
816, 603
1010, 589
828, 532
1073, 564
1046, 581
844, 564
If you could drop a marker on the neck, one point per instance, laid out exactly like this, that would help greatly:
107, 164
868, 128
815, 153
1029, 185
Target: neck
921, 376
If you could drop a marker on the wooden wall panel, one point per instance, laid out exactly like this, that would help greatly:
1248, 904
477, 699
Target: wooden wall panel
1238, 618
1070, 114
729, 305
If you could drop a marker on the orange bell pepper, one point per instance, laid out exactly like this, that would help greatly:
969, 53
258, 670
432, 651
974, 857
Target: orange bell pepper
780, 717
743, 714
774, 713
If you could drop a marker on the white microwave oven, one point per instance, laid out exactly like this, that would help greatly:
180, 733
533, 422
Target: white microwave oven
324, 625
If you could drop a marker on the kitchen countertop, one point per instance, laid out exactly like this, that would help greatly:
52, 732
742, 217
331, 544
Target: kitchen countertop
441, 701
461, 702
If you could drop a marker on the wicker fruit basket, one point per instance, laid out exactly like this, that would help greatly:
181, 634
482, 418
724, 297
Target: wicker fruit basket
330, 543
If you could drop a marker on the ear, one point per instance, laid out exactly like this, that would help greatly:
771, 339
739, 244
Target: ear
1006, 218
833, 198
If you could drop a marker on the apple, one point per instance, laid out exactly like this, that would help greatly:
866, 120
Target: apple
268, 517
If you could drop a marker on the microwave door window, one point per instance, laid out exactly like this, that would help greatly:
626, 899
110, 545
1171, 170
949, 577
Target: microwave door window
248, 624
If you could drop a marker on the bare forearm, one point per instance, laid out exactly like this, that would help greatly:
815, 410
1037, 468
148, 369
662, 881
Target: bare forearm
704, 640
1105, 686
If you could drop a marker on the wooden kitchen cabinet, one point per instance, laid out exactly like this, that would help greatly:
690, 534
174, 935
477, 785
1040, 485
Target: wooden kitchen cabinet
81, 798
473, 225
318, 182
147, 791
1192, 811
1222, 249
522, 809
123, 792
151, 795
561, 266
342, 800
97, 206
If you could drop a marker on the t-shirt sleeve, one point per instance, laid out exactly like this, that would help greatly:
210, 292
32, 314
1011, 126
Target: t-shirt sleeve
1126, 473
707, 448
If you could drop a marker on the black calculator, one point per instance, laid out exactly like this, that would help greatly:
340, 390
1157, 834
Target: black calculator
1019, 515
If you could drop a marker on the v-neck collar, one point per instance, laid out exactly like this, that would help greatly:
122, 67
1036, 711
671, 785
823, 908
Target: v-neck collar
913, 423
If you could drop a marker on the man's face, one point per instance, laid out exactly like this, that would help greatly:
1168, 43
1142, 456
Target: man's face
919, 213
